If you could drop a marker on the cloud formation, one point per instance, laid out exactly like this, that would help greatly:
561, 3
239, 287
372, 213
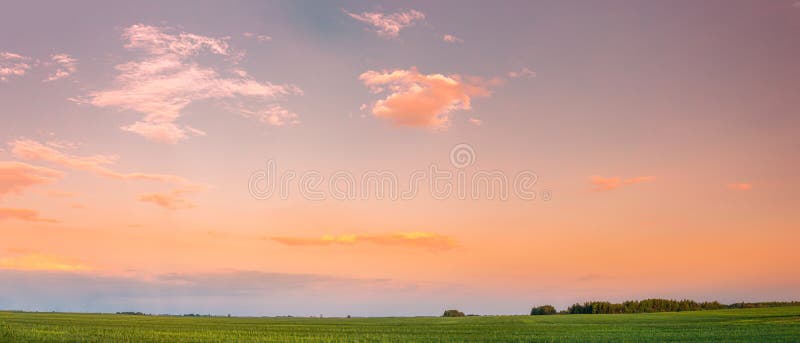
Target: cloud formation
739, 186
16, 176
65, 66
522, 73
608, 183
257, 37
169, 77
422, 100
172, 200
40, 262
96, 164
12, 64
99, 165
452, 39
388, 25
408, 239
24, 214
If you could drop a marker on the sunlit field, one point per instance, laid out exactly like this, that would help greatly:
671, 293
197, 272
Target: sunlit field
780, 324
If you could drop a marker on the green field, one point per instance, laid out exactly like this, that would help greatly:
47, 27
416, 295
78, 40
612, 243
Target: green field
777, 324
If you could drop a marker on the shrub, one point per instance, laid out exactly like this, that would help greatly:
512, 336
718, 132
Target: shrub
453, 313
543, 310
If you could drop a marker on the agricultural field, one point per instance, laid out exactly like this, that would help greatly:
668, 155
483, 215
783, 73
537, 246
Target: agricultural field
777, 324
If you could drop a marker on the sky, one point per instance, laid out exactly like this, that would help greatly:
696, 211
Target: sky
391, 159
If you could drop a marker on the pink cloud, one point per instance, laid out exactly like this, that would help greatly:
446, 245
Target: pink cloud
65, 66
739, 186
388, 25
169, 77
452, 39
608, 183
12, 64
409, 239
17, 176
260, 38
422, 100
23, 214
475, 121
523, 73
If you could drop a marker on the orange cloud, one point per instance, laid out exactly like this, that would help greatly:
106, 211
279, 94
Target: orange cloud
23, 214
409, 239
388, 25
172, 200
739, 186
33, 150
16, 176
422, 100
40, 262
608, 183
170, 77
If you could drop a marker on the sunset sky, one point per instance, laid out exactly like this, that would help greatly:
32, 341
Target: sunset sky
663, 137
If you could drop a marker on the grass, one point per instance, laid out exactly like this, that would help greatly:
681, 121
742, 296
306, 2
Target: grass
778, 324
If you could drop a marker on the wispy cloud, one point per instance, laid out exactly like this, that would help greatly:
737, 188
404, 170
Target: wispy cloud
522, 73
408, 239
608, 183
12, 64
452, 39
475, 121
24, 214
739, 186
17, 176
388, 25
172, 200
257, 37
422, 100
98, 164
65, 66
40, 262
169, 77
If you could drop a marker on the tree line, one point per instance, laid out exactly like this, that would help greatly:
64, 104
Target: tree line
651, 305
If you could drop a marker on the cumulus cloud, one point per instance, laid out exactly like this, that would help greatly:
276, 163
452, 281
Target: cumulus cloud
169, 76
65, 66
452, 39
608, 183
408, 239
422, 100
17, 176
12, 64
388, 25
40, 262
739, 186
24, 214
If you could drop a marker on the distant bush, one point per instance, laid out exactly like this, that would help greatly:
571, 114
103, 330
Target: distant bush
643, 306
132, 313
453, 313
543, 310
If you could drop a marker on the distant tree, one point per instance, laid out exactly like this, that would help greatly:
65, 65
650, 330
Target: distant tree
543, 310
453, 313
